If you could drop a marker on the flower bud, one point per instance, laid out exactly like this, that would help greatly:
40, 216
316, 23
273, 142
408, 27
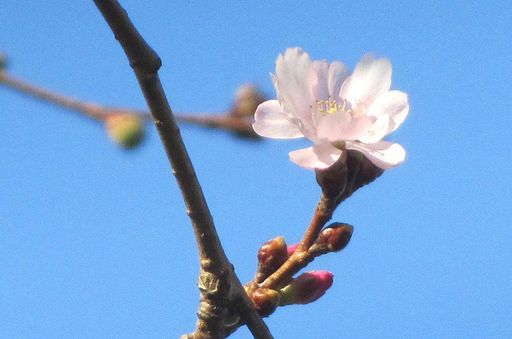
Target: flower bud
307, 288
125, 130
247, 99
270, 257
290, 249
333, 238
265, 301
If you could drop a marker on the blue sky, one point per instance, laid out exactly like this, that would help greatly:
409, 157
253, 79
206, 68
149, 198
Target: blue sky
95, 242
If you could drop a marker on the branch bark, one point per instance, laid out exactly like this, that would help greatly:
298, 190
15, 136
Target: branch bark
219, 285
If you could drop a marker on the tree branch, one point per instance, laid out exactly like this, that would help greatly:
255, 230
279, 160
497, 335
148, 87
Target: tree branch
225, 121
218, 283
90, 110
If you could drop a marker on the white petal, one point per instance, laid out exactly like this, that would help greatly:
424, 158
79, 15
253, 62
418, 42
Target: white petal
338, 72
383, 154
319, 156
343, 126
272, 122
370, 78
391, 108
392, 103
292, 82
318, 80
378, 130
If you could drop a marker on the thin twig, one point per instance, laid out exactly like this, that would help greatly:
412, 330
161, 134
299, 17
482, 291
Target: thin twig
216, 270
301, 257
88, 109
225, 121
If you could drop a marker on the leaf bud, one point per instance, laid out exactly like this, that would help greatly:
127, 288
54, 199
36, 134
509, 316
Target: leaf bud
125, 130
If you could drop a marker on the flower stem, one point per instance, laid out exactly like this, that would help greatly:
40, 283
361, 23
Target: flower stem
301, 257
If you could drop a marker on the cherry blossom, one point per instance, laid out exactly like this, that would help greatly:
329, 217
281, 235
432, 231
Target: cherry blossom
336, 110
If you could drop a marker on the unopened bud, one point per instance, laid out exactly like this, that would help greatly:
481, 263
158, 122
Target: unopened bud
271, 256
290, 249
247, 99
333, 238
265, 301
307, 288
125, 130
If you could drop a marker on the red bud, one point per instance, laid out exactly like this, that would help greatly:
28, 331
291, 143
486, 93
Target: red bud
333, 238
270, 257
265, 301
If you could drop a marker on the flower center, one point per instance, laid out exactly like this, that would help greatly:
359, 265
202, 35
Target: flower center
330, 106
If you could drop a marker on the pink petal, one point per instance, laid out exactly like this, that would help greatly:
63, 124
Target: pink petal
291, 82
272, 122
391, 108
383, 154
370, 78
394, 104
377, 131
338, 72
318, 80
343, 126
319, 156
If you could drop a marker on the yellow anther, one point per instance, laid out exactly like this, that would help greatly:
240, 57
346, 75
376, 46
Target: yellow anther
330, 106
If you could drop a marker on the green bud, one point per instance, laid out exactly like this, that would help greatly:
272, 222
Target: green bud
125, 130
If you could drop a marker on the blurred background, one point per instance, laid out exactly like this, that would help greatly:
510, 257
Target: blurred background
95, 242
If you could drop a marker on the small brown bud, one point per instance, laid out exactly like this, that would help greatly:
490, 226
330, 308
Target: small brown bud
247, 99
333, 238
265, 301
271, 256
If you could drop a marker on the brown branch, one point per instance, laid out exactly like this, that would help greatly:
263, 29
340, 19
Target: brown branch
302, 256
226, 121
218, 283
88, 109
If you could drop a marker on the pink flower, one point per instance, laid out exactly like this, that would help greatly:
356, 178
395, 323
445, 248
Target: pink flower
336, 110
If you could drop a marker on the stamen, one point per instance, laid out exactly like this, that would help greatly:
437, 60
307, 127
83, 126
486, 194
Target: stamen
330, 106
